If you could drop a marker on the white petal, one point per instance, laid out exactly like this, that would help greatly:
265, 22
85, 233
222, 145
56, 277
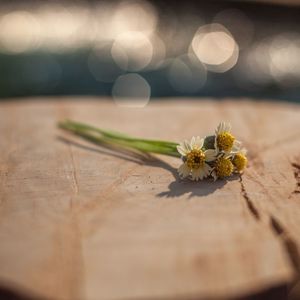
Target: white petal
206, 170
196, 174
210, 155
192, 143
199, 142
237, 143
182, 145
214, 175
216, 144
219, 128
223, 127
184, 170
244, 151
229, 154
236, 146
187, 146
181, 150
227, 127
202, 174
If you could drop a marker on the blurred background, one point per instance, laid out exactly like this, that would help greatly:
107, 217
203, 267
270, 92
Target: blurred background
136, 49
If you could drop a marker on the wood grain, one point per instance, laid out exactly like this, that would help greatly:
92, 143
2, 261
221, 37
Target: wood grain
82, 222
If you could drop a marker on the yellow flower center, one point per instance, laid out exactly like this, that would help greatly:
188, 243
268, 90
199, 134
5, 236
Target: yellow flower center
240, 161
225, 141
195, 159
223, 167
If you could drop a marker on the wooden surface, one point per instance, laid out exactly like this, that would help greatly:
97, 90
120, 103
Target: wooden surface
82, 222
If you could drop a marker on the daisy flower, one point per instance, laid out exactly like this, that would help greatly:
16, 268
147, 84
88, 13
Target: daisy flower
224, 140
195, 159
240, 160
222, 167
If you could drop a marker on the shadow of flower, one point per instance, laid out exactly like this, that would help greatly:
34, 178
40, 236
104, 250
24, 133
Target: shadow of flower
176, 188
180, 187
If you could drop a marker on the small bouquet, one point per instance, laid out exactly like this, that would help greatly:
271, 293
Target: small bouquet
217, 156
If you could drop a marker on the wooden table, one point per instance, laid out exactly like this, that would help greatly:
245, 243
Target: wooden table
82, 222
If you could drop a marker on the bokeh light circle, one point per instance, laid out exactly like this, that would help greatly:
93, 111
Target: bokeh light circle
215, 47
132, 51
131, 90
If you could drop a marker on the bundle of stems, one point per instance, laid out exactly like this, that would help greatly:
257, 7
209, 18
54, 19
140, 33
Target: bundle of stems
111, 138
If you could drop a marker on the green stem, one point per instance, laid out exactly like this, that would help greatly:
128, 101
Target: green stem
114, 138
115, 135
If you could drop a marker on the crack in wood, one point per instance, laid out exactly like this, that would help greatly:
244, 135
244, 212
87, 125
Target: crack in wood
253, 210
296, 168
289, 244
